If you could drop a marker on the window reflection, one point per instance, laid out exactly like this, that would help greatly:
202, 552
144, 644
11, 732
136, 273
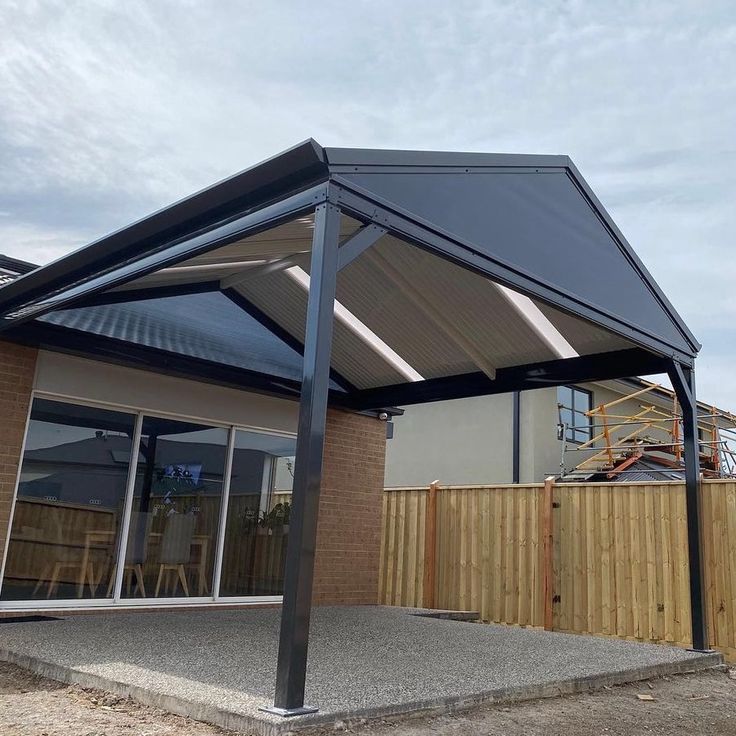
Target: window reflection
70, 501
257, 527
176, 510
65, 541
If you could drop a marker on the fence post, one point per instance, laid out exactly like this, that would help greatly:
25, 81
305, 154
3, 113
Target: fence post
548, 552
430, 548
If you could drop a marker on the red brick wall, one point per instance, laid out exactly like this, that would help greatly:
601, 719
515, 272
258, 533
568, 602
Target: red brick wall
17, 368
349, 527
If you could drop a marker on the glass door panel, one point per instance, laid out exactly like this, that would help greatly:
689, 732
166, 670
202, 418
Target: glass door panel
70, 501
175, 512
257, 526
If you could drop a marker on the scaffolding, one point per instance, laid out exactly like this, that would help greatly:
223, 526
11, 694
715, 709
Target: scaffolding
620, 441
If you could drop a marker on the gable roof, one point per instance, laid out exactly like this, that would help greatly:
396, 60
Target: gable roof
479, 263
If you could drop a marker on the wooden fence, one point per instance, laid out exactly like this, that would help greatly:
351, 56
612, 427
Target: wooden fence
598, 558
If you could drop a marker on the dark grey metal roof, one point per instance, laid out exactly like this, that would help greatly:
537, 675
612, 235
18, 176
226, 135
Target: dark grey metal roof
206, 326
472, 245
15, 266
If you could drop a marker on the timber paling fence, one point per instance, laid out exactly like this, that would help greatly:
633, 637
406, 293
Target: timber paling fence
599, 558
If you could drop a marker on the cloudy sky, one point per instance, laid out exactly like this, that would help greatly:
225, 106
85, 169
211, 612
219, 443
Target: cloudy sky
109, 110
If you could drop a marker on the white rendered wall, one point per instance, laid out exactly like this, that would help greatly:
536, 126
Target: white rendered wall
111, 384
465, 441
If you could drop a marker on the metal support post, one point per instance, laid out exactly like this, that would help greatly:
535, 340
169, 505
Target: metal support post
516, 437
292, 658
683, 381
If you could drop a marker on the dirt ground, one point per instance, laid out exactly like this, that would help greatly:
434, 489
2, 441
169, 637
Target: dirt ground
687, 705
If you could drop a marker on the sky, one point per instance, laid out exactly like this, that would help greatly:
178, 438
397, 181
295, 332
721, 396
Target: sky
110, 110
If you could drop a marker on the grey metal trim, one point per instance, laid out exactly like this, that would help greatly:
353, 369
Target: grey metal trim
15, 265
516, 437
356, 158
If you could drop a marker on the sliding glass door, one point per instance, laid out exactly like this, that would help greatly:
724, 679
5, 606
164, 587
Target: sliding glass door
259, 505
122, 506
175, 511
70, 501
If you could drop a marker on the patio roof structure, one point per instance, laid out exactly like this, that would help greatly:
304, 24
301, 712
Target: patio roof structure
368, 279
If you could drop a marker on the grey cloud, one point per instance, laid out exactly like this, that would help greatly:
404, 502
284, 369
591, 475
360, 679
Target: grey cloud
110, 110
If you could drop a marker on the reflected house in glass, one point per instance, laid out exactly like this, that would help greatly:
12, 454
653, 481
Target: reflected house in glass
303, 298
71, 497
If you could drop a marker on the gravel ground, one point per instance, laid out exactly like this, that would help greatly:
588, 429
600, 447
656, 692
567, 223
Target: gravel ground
685, 705
361, 659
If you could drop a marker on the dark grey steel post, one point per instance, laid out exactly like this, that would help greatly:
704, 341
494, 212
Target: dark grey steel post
683, 381
516, 438
292, 659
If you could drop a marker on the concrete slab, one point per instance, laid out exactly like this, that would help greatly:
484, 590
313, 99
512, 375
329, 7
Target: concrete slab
219, 666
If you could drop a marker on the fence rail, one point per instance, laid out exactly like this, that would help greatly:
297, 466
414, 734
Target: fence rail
591, 558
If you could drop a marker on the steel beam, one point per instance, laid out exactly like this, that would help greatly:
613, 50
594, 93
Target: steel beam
598, 367
358, 243
295, 614
683, 382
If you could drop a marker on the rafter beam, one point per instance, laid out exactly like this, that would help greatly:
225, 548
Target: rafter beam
125, 296
276, 329
381, 349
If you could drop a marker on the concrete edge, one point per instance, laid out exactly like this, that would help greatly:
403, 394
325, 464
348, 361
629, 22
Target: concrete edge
258, 725
467, 616
529, 692
171, 703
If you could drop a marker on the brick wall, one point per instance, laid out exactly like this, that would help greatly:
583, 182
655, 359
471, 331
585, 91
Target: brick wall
349, 526
17, 368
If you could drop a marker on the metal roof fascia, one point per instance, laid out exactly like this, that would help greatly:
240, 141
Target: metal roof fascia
296, 167
367, 157
15, 265
261, 219
364, 204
